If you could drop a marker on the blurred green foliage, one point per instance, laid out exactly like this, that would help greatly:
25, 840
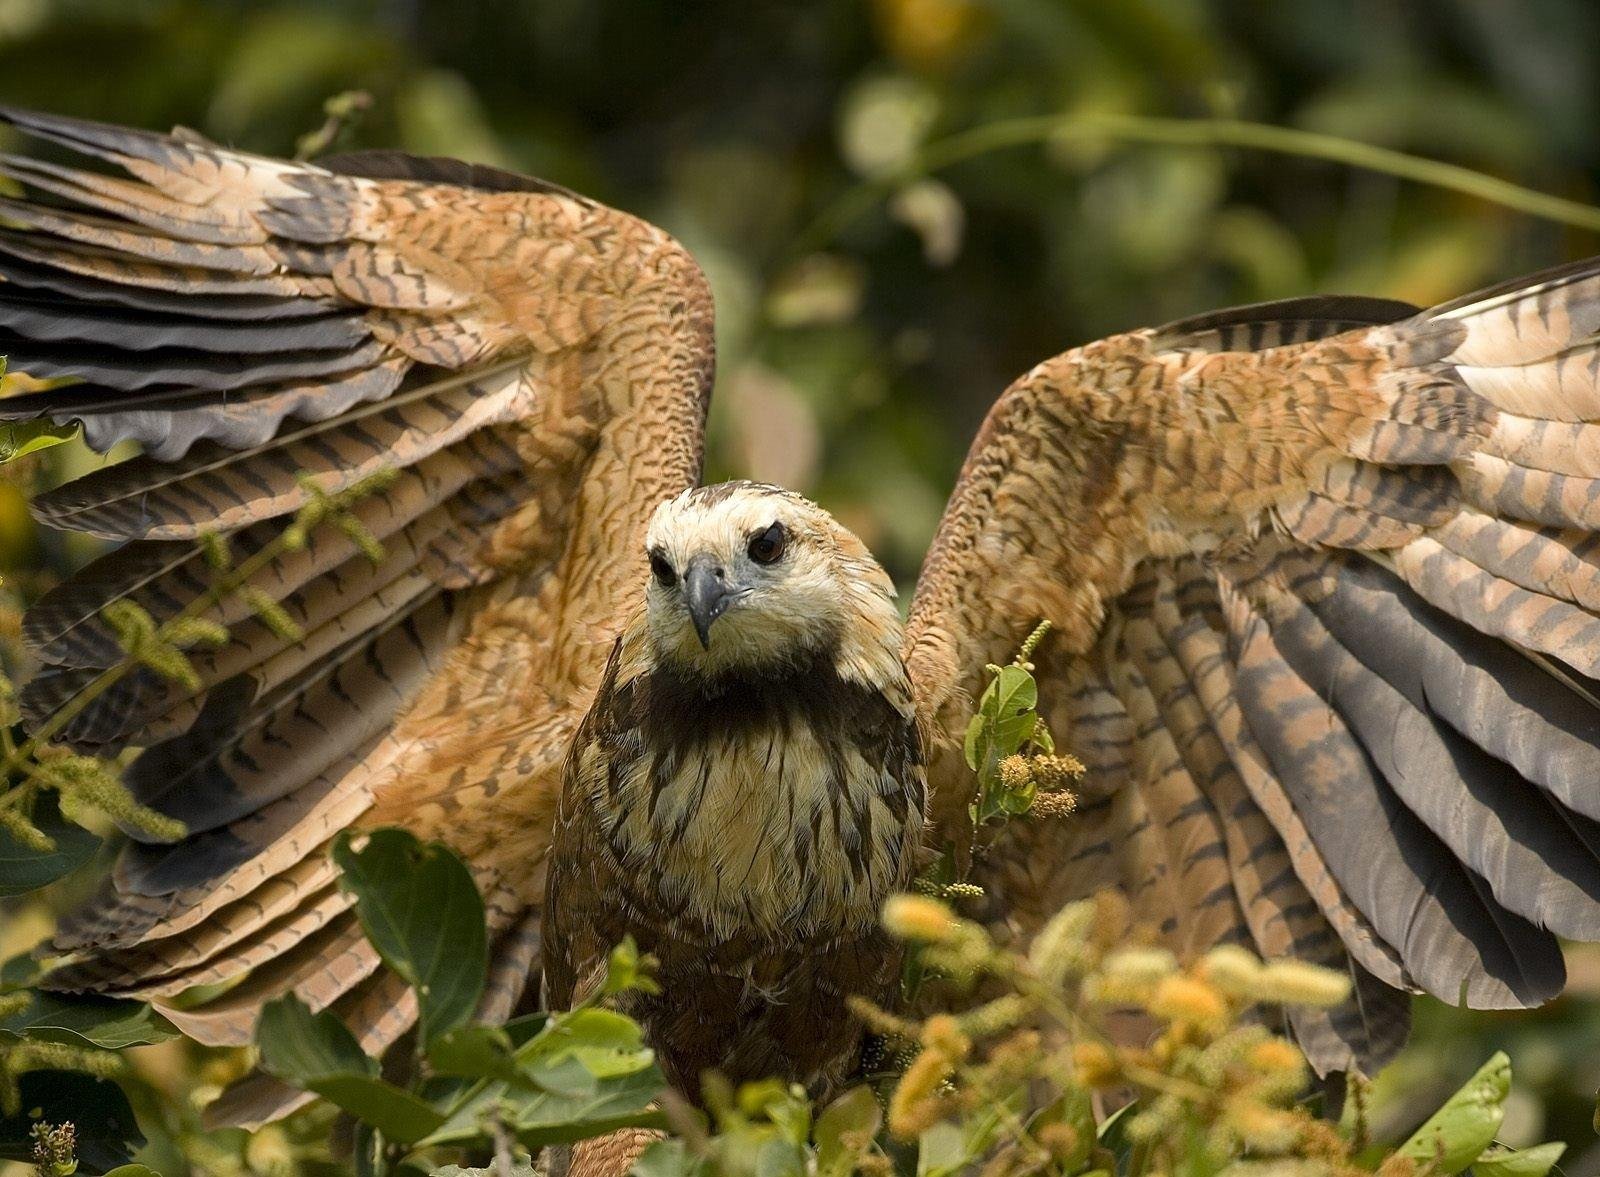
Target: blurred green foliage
858, 372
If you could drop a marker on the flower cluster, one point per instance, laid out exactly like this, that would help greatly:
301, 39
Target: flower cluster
1092, 1015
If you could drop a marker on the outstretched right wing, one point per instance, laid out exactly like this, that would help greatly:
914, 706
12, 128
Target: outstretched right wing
1327, 601
536, 366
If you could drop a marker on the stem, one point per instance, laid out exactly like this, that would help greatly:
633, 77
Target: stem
1179, 132
109, 677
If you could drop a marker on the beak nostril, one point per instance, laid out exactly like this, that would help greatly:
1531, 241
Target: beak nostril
722, 573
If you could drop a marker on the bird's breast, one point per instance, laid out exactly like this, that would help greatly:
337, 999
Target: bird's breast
778, 828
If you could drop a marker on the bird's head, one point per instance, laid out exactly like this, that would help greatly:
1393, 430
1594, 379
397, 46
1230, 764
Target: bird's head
747, 576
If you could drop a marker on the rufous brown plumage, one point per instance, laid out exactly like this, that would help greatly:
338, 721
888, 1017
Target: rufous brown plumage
1323, 575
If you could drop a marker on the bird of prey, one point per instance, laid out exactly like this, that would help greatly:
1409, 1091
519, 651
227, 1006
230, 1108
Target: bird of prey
746, 792
1324, 575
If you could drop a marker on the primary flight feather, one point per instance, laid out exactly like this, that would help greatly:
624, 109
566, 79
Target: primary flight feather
1323, 573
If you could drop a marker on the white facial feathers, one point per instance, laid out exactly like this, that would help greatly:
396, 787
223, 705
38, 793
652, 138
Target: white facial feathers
766, 578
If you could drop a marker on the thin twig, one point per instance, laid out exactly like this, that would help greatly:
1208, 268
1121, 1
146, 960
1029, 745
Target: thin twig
1177, 132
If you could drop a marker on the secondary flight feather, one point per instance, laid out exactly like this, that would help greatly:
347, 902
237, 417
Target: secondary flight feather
1323, 575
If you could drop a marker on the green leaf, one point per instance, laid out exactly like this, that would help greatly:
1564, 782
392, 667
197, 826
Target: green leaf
300, 1047
422, 912
1015, 692
607, 1044
1454, 1136
133, 1171
29, 437
87, 1021
25, 869
856, 1114
573, 1106
942, 1149
318, 1053
1521, 1162
628, 969
669, 1158
107, 1132
474, 1052
392, 1110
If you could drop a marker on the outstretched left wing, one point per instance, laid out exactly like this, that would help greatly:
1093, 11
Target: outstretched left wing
1325, 581
534, 365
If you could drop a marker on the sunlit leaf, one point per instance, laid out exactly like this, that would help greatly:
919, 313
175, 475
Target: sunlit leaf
19, 439
1520, 1162
1454, 1136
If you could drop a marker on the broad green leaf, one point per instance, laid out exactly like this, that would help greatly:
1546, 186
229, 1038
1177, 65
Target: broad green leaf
300, 1047
606, 1043
318, 1053
1014, 692
475, 1052
422, 912
107, 1133
29, 437
87, 1021
670, 1158
1521, 1162
1454, 1136
942, 1149
392, 1110
25, 869
855, 1114
778, 1157
133, 1171
573, 1106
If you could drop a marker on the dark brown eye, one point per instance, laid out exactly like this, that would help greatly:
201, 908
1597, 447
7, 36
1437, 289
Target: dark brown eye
767, 547
662, 571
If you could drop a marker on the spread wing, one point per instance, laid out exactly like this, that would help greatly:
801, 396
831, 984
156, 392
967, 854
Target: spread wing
534, 365
1326, 577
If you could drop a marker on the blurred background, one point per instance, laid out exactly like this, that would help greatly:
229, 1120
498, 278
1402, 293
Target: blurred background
856, 364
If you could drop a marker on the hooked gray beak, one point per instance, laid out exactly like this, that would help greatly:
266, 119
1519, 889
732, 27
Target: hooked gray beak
708, 594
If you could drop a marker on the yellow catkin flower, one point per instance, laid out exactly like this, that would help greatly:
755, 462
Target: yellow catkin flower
1015, 774
1266, 1129
1188, 1001
269, 1150
916, 1103
1234, 970
1274, 1056
1061, 949
1294, 982
994, 1016
1061, 1140
1397, 1165
1129, 976
1014, 1056
1095, 1064
942, 1033
919, 917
